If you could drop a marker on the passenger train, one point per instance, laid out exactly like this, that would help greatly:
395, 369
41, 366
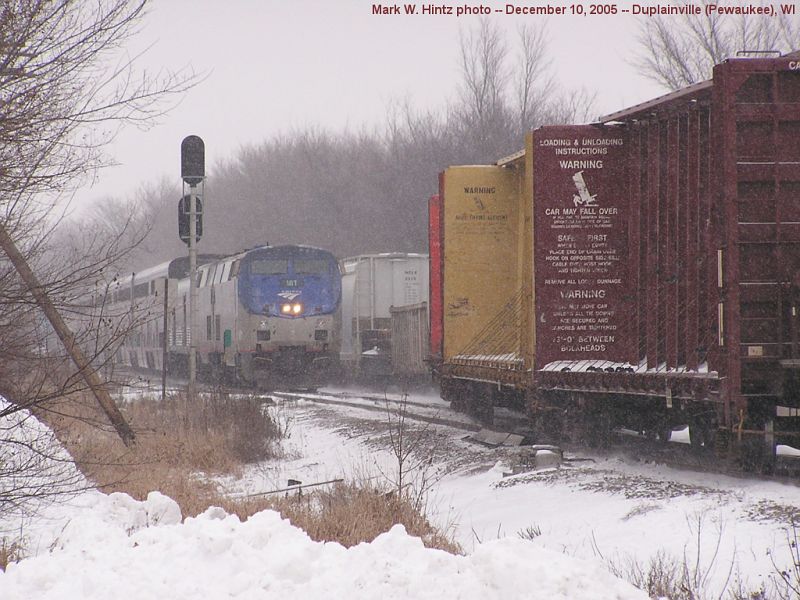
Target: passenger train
263, 313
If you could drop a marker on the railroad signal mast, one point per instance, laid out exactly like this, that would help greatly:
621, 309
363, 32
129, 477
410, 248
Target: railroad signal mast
193, 173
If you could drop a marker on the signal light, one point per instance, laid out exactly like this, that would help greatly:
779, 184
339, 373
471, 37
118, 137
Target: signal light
184, 207
193, 160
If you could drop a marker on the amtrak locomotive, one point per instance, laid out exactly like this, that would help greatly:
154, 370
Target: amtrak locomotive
263, 313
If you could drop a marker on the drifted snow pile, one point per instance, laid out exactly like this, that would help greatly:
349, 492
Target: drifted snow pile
35, 470
121, 548
112, 546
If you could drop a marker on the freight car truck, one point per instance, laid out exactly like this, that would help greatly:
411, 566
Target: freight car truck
642, 271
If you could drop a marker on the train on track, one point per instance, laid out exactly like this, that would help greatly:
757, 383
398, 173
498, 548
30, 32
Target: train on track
275, 314
267, 311
639, 272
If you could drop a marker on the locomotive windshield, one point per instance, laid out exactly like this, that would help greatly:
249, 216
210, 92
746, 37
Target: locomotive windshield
269, 266
306, 276
311, 266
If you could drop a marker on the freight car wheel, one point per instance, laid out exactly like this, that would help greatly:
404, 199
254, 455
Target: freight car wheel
598, 430
660, 435
480, 404
264, 382
758, 452
232, 376
548, 425
724, 447
701, 435
454, 393
664, 434
755, 458
216, 369
657, 430
458, 404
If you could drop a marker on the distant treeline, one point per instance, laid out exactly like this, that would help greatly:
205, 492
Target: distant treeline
366, 191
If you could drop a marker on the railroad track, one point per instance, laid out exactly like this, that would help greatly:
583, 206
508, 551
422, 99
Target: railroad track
626, 443
376, 403
684, 456
622, 442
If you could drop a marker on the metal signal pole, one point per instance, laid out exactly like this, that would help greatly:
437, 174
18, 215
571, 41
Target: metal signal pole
193, 174
165, 342
192, 290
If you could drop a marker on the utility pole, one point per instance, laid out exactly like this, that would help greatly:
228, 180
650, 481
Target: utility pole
40, 294
193, 175
85, 368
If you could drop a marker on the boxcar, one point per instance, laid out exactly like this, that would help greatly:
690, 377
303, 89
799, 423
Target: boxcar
641, 271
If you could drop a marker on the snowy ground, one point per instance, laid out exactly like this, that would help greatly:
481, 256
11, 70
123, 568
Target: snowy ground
598, 508
575, 517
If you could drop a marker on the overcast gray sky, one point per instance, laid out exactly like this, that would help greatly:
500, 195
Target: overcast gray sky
274, 65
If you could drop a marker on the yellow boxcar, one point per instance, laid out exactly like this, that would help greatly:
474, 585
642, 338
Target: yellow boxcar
487, 298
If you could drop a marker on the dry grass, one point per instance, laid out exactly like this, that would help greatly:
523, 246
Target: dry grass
10, 551
667, 577
662, 577
179, 442
350, 514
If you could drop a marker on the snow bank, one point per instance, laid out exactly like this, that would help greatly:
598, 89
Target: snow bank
35, 470
126, 549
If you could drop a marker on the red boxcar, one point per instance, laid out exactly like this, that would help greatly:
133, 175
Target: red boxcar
435, 274
666, 264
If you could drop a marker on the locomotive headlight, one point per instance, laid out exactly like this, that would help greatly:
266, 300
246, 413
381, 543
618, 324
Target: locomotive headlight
292, 309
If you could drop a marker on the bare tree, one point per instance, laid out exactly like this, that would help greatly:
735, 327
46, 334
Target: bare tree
483, 109
570, 106
66, 88
679, 50
534, 82
483, 70
66, 93
365, 191
413, 449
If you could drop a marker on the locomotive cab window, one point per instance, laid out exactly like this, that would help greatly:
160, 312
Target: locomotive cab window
226, 271
310, 266
269, 266
234, 270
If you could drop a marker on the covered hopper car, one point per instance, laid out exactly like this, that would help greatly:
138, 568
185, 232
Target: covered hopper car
642, 271
384, 316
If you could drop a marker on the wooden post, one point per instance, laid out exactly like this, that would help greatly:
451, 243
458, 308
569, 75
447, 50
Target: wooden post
85, 369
